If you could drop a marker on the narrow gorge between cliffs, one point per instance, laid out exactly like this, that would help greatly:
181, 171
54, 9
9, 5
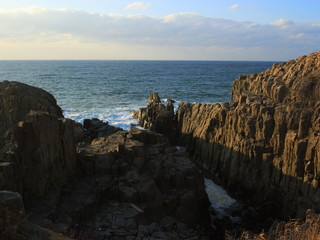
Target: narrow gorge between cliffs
91, 180
263, 145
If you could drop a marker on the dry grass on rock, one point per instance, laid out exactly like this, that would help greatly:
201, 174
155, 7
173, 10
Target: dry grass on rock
292, 230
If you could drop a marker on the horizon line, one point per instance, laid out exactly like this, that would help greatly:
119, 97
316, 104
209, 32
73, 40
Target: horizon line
168, 60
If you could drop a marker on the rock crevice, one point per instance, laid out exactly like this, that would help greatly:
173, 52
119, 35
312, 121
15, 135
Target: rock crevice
94, 179
264, 144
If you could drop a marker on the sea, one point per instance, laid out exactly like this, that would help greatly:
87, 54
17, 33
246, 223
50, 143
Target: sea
111, 90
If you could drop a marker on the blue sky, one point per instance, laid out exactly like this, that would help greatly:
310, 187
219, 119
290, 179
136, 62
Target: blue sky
159, 29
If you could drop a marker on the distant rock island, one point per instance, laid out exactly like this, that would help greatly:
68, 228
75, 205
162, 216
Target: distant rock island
96, 181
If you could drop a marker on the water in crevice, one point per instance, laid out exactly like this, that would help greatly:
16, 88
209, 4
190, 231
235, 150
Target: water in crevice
222, 205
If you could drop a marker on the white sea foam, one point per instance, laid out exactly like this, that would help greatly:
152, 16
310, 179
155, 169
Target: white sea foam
219, 199
118, 117
175, 104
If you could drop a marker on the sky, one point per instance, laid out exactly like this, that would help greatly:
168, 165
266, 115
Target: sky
275, 30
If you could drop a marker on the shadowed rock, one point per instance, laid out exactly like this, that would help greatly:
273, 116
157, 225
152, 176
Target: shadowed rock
158, 116
37, 144
264, 144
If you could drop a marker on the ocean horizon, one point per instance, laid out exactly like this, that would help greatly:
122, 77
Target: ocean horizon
111, 89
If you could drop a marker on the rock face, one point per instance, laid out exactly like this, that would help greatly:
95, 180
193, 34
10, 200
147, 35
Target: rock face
37, 144
158, 116
11, 216
12, 202
131, 185
148, 186
95, 179
264, 144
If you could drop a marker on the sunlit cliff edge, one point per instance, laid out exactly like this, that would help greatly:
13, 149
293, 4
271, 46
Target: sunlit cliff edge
264, 144
95, 181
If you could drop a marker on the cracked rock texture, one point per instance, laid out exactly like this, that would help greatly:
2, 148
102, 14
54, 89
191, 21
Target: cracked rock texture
37, 146
264, 144
93, 181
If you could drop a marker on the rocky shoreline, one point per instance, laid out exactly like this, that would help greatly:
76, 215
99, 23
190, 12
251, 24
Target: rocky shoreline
95, 181
263, 145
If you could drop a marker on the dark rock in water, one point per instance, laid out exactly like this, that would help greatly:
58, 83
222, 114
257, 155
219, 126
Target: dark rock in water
153, 99
97, 128
158, 117
264, 144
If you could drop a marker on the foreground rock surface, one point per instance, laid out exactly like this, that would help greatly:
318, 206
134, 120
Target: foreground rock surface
131, 185
264, 144
145, 188
93, 181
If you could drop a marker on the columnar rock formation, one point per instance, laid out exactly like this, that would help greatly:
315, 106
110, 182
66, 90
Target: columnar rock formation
140, 179
263, 145
37, 144
158, 117
115, 184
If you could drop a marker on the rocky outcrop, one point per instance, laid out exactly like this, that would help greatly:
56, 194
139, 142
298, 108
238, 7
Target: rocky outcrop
94, 180
136, 186
158, 116
37, 145
264, 144
131, 185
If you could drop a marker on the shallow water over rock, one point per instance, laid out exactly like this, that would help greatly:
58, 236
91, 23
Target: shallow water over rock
223, 206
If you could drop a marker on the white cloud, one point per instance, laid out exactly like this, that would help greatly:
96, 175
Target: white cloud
184, 35
234, 7
138, 6
282, 23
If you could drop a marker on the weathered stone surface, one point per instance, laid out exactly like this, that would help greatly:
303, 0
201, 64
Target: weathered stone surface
158, 116
264, 144
147, 171
96, 128
37, 146
12, 212
95, 178
130, 183
17, 99
12, 202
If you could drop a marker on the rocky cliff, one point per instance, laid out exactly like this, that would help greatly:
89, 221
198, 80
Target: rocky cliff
37, 145
264, 144
93, 181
